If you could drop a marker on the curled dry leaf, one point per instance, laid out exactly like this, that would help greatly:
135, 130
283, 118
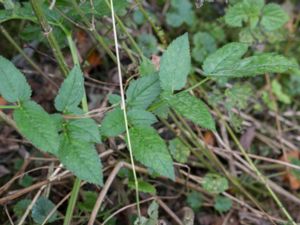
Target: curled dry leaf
294, 182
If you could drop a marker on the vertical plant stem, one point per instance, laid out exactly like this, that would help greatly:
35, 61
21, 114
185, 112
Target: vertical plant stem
48, 32
123, 107
26, 57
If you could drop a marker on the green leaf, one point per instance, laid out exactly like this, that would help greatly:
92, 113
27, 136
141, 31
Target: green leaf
13, 85
226, 62
84, 129
42, 209
139, 117
193, 109
147, 68
222, 204
149, 149
181, 12
204, 44
82, 159
21, 206
227, 55
178, 150
113, 123
143, 186
148, 44
244, 11
142, 92
277, 90
89, 200
195, 200
274, 17
175, 64
37, 126
114, 99
71, 91
214, 184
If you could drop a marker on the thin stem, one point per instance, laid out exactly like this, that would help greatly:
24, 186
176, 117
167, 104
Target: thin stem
123, 107
48, 32
26, 57
9, 106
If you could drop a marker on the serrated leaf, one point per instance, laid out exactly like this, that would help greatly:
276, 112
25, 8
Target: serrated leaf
175, 64
195, 200
149, 149
226, 62
244, 11
193, 109
227, 55
114, 99
42, 209
113, 123
222, 204
84, 129
148, 44
82, 159
181, 12
139, 117
178, 150
142, 92
71, 91
274, 17
214, 184
204, 44
13, 85
147, 68
21, 206
37, 126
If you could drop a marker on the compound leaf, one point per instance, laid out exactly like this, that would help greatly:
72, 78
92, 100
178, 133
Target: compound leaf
71, 91
13, 85
193, 109
175, 64
81, 158
149, 149
37, 126
142, 92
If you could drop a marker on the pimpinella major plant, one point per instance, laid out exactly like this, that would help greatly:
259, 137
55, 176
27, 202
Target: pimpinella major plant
72, 138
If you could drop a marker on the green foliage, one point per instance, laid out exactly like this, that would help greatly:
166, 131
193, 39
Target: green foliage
41, 210
274, 17
113, 123
146, 67
195, 200
13, 85
222, 204
138, 117
175, 64
204, 44
36, 125
149, 149
295, 172
143, 186
142, 92
181, 12
214, 184
84, 129
71, 91
281, 96
21, 206
193, 109
153, 216
226, 62
114, 99
148, 44
81, 158
89, 200
179, 151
